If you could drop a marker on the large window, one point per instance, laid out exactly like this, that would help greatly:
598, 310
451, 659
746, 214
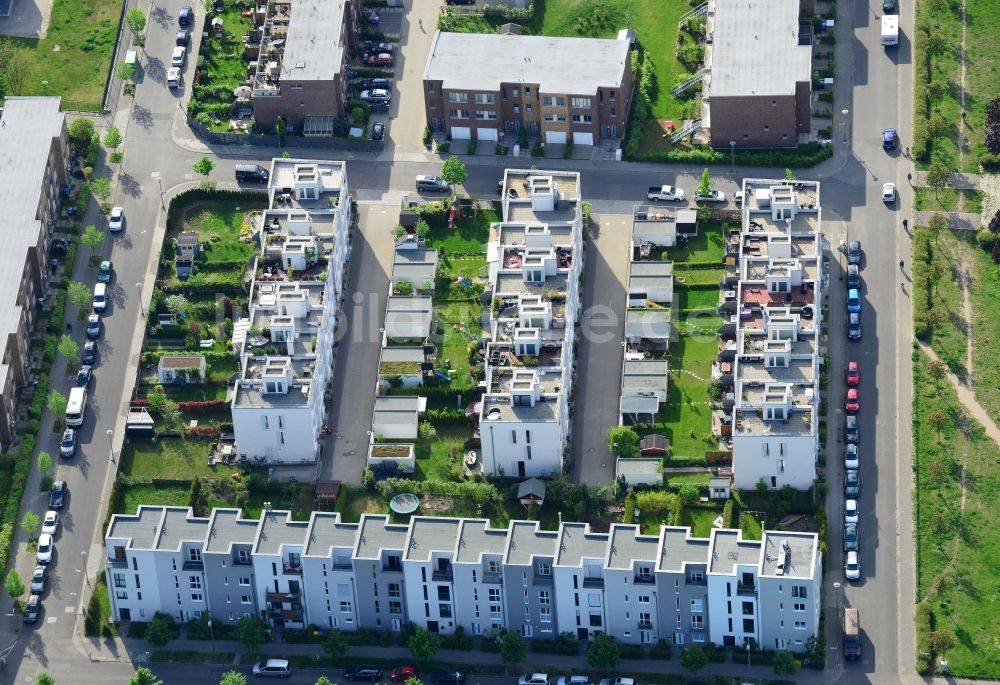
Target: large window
318, 126
458, 98
580, 103
485, 99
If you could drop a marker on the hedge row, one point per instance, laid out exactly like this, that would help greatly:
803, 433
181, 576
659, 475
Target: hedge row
921, 98
203, 406
479, 492
18, 479
803, 156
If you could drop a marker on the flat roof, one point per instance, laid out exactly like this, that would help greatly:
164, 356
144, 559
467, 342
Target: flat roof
629, 546
677, 548
527, 539
313, 51
755, 49
647, 323
730, 550
327, 531
376, 534
567, 66
576, 542
179, 525
228, 527
141, 528
429, 535
477, 539
800, 558
276, 529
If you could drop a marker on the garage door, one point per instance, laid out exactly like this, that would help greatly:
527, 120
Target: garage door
555, 137
461, 132
486, 134
583, 138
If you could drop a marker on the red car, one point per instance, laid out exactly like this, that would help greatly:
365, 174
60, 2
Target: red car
401, 674
853, 375
382, 59
853, 403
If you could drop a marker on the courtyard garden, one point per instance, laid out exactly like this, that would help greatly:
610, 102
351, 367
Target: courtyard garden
221, 68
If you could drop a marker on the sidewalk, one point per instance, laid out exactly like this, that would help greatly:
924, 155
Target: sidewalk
961, 221
958, 181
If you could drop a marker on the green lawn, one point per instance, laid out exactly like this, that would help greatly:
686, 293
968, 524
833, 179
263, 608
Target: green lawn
708, 246
982, 78
459, 323
697, 299
957, 552
985, 331
174, 458
189, 393
751, 527
678, 479
700, 519
222, 68
224, 255
74, 58
434, 457
136, 495
947, 200
468, 236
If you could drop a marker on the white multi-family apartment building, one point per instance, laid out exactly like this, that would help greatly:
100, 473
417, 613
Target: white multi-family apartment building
775, 284
535, 258
286, 344
442, 573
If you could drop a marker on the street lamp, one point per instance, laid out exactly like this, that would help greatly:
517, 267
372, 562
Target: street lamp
748, 658
83, 553
732, 160
138, 287
111, 445
846, 123
836, 587
159, 180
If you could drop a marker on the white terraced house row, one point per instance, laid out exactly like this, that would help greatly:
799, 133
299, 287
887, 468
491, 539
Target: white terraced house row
278, 407
535, 259
442, 573
774, 307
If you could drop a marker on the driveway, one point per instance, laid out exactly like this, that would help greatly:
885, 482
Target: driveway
416, 32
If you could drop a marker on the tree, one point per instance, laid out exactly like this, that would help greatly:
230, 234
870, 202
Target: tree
936, 89
45, 679
423, 644
14, 68
79, 293
603, 652
937, 222
159, 632
790, 175
940, 641
92, 236
113, 138
422, 228
785, 663
45, 463
938, 420
57, 404
176, 304
694, 658
280, 128
513, 649
157, 398
30, 523
144, 677
938, 126
413, 680
334, 644
233, 678
454, 172
937, 176
68, 348
136, 20
323, 680
204, 166
937, 42
251, 633
705, 186
80, 132
622, 441
101, 188
398, 231
124, 71
14, 585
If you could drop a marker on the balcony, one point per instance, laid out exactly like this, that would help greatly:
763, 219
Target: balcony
445, 576
193, 565
392, 568
695, 580
492, 578
645, 625
118, 562
538, 579
645, 579
593, 582
342, 565
290, 568
242, 561
746, 590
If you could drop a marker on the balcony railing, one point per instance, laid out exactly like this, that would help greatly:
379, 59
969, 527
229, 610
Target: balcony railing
539, 579
240, 561
443, 576
190, 565
593, 582
692, 580
289, 568
392, 568
118, 562
645, 625
645, 578
750, 590
492, 578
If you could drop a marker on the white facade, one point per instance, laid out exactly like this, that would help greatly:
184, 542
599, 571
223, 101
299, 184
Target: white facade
278, 408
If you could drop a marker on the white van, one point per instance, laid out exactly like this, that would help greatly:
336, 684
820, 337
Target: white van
100, 297
75, 406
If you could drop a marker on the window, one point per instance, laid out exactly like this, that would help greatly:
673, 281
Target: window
194, 582
345, 607
243, 556
516, 93
119, 580
267, 425
486, 115
545, 614
593, 599
748, 625
580, 103
643, 599
697, 622
194, 554
494, 594
582, 118
517, 109
513, 437
527, 109
611, 95
799, 591
394, 590
495, 612
444, 610
485, 99
197, 597
543, 597
493, 566
458, 98
395, 608
245, 582
444, 594
458, 113
245, 599
544, 568
697, 605
317, 125
696, 577
550, 101
612, 111
748, 608
799, 606
697, 636
800, 625
595, 620
555, 117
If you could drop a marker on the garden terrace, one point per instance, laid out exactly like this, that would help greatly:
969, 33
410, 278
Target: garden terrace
327, 179
275, 382
222, 67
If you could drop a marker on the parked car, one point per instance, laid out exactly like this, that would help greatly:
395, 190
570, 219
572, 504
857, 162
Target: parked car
853, 374
711, 196
375, 84
32, 609
851, 511
665, 193
381, 59
173, 77
851, 429
100, 297
618, 681
89, 353
852, 484
43, 553
850, 537
533, 679
105, 271
185, 16
183, 38
371, 673
432, 183
372, 47
272, 668
67, 446
378, 130
57, 496
889, 192
116, 221
852, 567
853, 401
448, 678
573, 680
888, 6
851, 457
853, 300
38, 580
251, 173
401, 674
460, 2
376, 95
854, 252
853, 276
50, 524
93, 327
854, 326
889, 139
178, 57
738, 198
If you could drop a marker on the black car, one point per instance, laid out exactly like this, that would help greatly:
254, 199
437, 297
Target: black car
854, 326
378, 130
57, 496
852, 484
371, 673
32, 608
185, 16
851, 429
89, 353
448, 678
183, 38
854, 252
83, 376
851, 537
888, 6
375, 83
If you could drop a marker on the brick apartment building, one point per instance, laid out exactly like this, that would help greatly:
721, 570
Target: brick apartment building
758, 78
302, 70
33, 163
484, 86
